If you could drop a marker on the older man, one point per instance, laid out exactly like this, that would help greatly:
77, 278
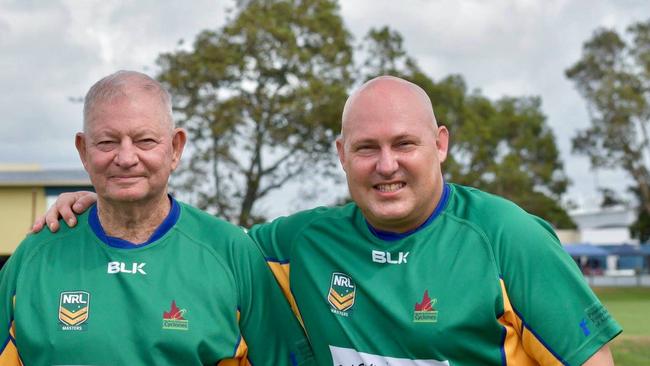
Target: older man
144, 279
421, 272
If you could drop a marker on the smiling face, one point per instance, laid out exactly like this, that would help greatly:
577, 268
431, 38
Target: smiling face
129, 147
391, 150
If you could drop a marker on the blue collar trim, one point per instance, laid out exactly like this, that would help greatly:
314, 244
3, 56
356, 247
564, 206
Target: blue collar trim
165, 226
391, 236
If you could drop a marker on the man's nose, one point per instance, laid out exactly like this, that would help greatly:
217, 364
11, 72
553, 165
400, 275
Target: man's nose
127, 155
387, 163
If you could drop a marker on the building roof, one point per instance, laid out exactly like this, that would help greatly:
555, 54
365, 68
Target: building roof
610, 217
47, 178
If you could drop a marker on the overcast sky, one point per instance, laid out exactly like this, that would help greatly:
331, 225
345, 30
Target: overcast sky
53, 50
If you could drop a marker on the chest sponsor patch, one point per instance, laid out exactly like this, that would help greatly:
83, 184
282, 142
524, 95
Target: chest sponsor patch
74, 308
351, 357
174, 318
425, 312
341, 293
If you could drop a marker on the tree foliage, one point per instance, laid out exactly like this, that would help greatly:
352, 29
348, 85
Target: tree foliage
504, 147
613, 75
261, 100
640, 229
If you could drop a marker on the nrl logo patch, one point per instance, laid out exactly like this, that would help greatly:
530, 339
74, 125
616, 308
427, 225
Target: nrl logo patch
74, 307
341, 293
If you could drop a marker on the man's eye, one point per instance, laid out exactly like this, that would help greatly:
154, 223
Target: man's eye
405, 143
105, 145
364, 148
146, 143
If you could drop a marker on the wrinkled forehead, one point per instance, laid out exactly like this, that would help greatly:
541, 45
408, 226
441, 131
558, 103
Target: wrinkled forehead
128, 116
126, 88
126, 104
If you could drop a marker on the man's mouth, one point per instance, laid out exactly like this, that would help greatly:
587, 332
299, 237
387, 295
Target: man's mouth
125, 178
390, 187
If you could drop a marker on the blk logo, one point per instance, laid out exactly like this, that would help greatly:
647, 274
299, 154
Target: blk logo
390, 258
121, 267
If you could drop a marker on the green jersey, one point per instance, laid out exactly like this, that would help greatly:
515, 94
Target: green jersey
480, 283
197, 293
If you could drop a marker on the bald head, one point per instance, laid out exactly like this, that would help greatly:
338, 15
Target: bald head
127, 84
387, 92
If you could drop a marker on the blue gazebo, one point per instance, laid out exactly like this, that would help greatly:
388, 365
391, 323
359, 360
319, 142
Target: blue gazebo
590, 258
585, 250
630, 256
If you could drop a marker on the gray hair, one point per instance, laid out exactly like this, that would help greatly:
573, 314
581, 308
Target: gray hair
121, 84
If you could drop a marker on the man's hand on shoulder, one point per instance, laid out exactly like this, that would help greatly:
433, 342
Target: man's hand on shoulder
67, 206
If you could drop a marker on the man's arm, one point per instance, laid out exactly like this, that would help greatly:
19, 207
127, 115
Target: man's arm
273, 334
8, 349
601, 358
534, 268
67, 206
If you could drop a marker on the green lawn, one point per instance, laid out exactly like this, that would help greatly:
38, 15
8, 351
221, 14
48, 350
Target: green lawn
631, 308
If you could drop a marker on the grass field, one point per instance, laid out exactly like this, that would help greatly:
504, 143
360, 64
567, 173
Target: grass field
631, 308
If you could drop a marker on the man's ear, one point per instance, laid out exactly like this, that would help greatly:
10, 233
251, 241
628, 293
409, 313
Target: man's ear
178, 144
442, 143
340, 149
80, 144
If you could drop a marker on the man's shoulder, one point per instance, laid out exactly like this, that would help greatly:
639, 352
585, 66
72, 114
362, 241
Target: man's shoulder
278, 237
326, 212
203, 221
490, 212
319, 215
473, 203
208, 230
495, 216
44, 240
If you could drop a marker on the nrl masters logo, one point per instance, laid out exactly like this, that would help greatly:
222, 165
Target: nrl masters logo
341, 293
74, 307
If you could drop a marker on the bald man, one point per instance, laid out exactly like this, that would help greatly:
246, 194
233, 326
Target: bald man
417, 271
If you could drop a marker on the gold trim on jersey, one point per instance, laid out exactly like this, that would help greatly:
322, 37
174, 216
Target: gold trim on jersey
9, 354
281, 274
521, 346
241, 353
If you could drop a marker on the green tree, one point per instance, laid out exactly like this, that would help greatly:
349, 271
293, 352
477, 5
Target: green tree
504, 146
261, 99
640, 229
613, 75
384, 53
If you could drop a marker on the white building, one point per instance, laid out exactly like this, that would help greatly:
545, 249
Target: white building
604, 226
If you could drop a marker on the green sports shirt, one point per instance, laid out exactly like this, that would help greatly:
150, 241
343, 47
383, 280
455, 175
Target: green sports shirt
197, 293
482, 282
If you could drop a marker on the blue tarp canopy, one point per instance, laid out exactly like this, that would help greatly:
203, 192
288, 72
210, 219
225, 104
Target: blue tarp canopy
578, 250
624, 249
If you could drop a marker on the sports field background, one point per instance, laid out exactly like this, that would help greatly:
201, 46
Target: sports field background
631, 308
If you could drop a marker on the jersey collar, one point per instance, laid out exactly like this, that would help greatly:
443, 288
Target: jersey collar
392, 236
165, 226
